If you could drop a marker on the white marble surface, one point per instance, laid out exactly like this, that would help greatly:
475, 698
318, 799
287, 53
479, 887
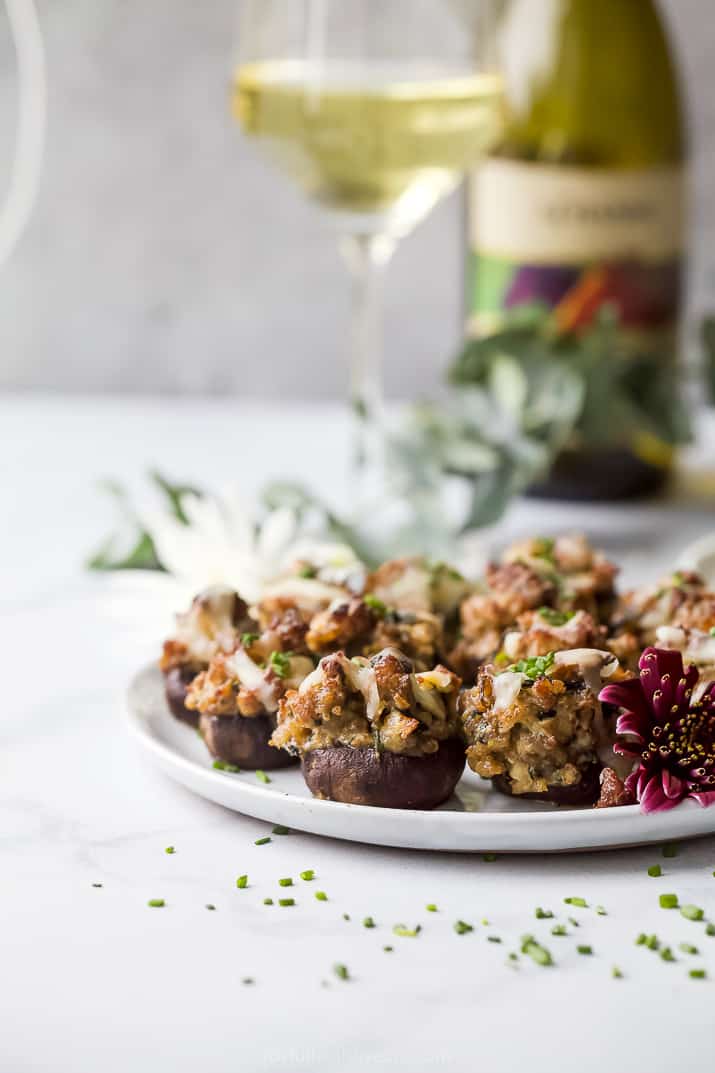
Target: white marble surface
93, 979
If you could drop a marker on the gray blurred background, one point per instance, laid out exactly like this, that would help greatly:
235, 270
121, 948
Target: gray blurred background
165, 256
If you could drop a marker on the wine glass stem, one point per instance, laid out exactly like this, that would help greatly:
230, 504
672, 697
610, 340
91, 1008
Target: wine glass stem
366, 256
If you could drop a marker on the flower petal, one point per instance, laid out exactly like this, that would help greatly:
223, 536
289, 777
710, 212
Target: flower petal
276, 534
627, 748
673, 787
653, 798
660, 664
629, 723
630, 696
686, 685
704, 798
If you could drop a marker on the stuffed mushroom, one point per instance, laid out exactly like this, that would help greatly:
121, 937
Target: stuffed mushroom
213, 624
365, 625
564, 574
375, 731
680, 601
696, 646
537, 728
307, 587
236, 700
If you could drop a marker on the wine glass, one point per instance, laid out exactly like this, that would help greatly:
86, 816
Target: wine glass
375, 108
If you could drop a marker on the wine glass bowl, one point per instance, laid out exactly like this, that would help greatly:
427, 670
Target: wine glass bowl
375, 109
376, 144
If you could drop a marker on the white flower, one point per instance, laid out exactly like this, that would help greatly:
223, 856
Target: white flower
221, 543
224, 543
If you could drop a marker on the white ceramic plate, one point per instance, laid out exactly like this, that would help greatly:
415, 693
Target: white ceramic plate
474, 819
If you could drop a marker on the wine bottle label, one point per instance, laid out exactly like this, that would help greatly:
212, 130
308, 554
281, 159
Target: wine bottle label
571, 240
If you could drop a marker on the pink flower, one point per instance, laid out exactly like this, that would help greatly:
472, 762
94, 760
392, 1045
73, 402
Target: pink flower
670, 735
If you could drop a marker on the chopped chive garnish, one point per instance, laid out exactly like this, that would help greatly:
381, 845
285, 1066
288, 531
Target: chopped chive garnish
688, 948
268, 901
655, 871
248, 980
375, 604
321, 895
601, 911
231, 768
710, 929
408, 933
652, 942
388, 949
169, 849
156, 903
697, 974
493, 939
431, 908
489, 857
534, 667
616, 973
346, 916
668, 901
341, 971
308, 874
584, 949
96, 884
242, 882
261, 776
279, 663
559, 929
210, 906
667, 954
574, 921
692, 912
286, 901
279, 829
513, 956
461, 927
262, 841
535, 951
485, 922
542, 914
368, 922
580, 902
641, 940
285, 882
670, 849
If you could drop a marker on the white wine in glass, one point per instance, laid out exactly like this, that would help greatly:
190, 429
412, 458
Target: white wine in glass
376, 109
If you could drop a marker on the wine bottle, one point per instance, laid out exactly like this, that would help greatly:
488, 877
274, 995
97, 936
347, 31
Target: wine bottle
577, 219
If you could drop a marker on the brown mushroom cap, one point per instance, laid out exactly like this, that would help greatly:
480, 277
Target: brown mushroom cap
176, 684
387, 780
584, 792
242, 741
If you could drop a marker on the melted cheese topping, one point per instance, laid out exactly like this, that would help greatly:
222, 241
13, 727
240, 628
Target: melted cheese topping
307, 593
697, 647
427, 697
361, 677
253, 678
207, 627
411, 591
593, 664
507, 687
